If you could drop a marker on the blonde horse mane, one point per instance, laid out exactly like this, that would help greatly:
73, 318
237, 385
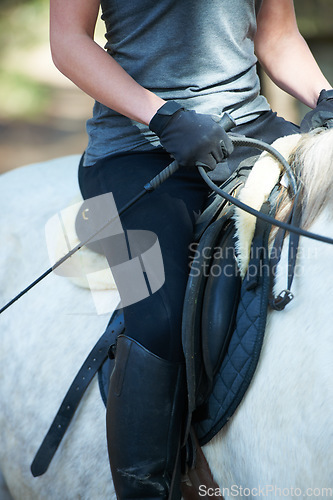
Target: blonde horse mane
314, 159
310, 154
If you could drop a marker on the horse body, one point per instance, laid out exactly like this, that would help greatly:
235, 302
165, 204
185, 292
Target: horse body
43, 344
280, 436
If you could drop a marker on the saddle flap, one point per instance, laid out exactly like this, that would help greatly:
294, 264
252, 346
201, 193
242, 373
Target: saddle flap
239, 363
220, 304
203, 347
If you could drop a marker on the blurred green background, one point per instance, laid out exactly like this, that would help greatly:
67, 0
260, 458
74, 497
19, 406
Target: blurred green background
42, 114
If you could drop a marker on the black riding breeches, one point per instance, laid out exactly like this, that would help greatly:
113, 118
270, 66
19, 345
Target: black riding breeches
170, 213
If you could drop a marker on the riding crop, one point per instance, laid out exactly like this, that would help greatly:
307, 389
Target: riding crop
227, 123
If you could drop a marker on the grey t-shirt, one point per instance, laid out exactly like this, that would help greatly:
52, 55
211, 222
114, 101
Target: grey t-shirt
197, 52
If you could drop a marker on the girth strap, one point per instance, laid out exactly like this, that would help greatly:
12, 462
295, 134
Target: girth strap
74, 394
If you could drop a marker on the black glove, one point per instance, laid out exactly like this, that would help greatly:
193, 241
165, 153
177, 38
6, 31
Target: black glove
321, 115
191, 138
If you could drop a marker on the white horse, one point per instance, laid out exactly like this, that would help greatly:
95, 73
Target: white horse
279, 442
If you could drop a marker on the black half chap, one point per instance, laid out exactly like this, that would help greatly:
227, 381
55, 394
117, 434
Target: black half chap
169, 212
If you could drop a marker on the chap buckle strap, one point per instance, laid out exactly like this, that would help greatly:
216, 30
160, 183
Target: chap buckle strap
67, 409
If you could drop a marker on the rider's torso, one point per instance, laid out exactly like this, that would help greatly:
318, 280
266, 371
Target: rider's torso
197, 52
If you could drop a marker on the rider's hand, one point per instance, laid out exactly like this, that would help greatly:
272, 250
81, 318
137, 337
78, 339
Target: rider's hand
189, 137
321, 115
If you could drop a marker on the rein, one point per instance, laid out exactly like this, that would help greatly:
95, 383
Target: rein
164, 175
246, 141
260, 215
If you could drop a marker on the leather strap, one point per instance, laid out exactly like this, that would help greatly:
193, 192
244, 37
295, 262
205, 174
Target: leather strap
279, 302
67, 409
198, 476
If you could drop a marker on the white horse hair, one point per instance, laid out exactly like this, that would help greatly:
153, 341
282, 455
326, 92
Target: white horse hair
279, 442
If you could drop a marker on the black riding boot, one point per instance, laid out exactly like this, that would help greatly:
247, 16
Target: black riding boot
144, 419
